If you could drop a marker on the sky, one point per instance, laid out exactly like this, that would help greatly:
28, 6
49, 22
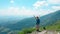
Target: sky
28, 7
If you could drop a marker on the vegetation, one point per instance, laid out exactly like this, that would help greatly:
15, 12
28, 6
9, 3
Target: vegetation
55, 26
50, 22
25, 31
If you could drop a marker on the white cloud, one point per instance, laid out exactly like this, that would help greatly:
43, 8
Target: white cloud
56, 7
54, 1
43, 12
39, 4
17, 11
24, 12
12, 1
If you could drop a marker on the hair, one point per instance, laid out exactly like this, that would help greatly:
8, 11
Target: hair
37, 17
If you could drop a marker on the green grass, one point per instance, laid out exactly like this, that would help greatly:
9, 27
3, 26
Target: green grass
25, 31
55, 26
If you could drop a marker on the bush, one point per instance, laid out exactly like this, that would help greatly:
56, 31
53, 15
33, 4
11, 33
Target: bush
25, 31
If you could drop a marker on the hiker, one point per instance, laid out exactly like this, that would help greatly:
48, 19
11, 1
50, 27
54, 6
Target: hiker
37, 23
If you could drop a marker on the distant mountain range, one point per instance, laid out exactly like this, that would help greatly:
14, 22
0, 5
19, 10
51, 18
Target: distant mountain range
30, 22
50, 18
45, 20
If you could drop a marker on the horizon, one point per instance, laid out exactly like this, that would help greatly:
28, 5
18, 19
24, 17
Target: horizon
28, 7
20, 16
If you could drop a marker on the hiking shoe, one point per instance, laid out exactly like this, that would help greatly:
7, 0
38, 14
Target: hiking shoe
38, 31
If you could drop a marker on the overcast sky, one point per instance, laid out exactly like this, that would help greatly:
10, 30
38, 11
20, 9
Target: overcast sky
28, 7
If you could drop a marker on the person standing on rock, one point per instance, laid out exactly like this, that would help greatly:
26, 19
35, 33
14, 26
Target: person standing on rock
37, 23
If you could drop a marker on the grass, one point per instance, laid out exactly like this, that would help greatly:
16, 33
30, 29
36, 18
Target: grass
25, 31
55, 27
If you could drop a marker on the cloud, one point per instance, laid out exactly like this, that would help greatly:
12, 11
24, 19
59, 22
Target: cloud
39, 4
24, 12
56, 7
47, 3
29, 12
17, 11
54, 1
12, 1
46, 6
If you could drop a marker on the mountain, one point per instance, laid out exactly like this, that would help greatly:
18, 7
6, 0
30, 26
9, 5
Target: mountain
46, 20
50, 18
30, 22
55, 26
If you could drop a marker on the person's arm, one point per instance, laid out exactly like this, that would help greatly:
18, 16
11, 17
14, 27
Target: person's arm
34, 17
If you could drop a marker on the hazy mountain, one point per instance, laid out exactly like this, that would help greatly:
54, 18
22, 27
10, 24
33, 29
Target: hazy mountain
30, 22
50, 18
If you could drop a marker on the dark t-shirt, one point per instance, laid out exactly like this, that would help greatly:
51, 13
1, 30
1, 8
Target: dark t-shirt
38, 21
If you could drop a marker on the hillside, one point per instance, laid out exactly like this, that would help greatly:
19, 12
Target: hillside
30, 22
46, 21
55, 26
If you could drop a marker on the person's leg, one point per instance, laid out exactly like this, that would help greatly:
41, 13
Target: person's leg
37, 28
